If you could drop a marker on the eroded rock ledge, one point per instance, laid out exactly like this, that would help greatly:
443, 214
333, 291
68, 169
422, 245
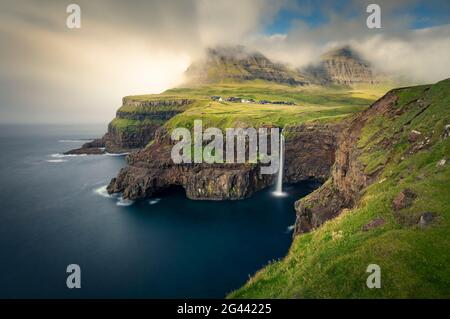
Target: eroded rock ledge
309, 155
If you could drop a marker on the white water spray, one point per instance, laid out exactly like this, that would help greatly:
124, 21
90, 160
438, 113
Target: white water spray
279, 186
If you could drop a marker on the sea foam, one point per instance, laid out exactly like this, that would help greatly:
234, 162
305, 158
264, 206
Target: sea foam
116, 154
102, 191
124, 202
56, 161
59, 155
290, 228
154, 201
75, 141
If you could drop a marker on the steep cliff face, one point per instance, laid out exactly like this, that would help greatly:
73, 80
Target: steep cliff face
342, 66
151, 170
359, 161
236, 63
135, 124
309, 154
137, 121
310, 151
348, 177
386, 203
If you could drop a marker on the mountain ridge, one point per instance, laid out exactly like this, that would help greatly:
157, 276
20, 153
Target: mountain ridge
342, 66
237, 63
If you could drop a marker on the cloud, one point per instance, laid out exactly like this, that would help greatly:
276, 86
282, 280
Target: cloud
420, 56
415, 55
123, 48
52, 74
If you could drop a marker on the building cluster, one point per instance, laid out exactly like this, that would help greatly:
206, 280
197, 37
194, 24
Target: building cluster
235, 99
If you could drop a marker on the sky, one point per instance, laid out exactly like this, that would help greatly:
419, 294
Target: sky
52, 74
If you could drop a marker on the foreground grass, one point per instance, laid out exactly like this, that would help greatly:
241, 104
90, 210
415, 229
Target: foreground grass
331, 261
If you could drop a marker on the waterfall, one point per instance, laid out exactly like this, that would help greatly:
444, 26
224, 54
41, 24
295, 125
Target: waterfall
279, 186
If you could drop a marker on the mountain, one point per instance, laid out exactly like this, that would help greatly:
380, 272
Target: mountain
235, 63
342, 66
140, 116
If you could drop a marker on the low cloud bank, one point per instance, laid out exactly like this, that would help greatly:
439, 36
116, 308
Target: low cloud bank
53, 74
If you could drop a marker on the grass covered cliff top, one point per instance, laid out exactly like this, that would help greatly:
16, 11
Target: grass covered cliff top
331, 261
310, 103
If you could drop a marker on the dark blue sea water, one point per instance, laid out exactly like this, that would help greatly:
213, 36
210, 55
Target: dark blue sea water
54, 213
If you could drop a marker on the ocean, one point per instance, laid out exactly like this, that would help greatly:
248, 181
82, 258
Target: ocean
55, 212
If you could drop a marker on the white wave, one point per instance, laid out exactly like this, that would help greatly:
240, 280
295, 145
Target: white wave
116, 154
75, 141
124, 202
103, 192
56, 161
290, 228
58, 155
154, 201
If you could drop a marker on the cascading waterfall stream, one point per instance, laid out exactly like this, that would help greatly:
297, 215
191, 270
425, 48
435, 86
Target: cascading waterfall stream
279, 186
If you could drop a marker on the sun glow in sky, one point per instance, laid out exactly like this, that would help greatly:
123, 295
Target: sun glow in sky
50, 74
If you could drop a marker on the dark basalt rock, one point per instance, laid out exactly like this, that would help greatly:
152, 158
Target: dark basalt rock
309, 154
151, 170
310, 151
322, 205
95, 147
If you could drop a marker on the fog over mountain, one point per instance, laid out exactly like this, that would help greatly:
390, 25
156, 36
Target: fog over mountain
52, 74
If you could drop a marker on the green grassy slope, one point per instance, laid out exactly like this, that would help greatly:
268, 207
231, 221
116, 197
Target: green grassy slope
311, 103
331, 261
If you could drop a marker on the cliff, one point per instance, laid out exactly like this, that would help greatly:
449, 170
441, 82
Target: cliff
136, 123
309, 154
349, 175
385, 203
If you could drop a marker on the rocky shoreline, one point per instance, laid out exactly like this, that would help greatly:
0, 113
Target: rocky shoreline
309, 155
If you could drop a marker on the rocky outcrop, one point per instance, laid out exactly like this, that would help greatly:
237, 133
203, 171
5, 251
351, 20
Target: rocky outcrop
141, 118
309, 153
348, 176
426, 219
374, 223
200, 181
404, 199
152, 170
118, 140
